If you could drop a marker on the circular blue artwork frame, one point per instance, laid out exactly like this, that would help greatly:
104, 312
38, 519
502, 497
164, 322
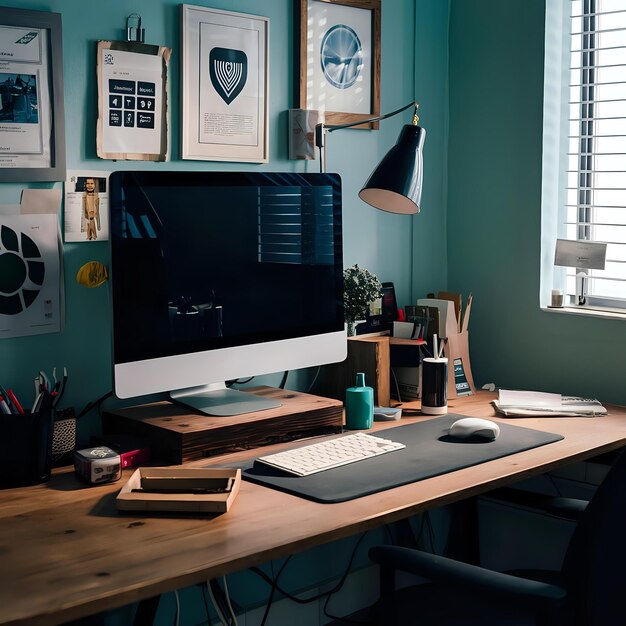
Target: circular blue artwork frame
341, 56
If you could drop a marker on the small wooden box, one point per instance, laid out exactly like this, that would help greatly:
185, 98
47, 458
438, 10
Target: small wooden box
369, 355
180, 489
372, 356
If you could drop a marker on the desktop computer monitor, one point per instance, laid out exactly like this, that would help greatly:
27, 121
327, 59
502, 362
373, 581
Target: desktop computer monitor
217, 276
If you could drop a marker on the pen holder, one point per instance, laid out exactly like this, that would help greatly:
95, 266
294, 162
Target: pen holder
63, 437
26, 447
435, 386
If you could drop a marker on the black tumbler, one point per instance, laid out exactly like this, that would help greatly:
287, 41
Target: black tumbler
434, 386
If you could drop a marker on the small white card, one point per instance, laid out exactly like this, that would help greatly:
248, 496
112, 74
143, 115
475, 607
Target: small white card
403, 330
584, 254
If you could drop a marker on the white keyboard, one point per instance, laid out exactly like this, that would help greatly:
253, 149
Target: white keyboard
318, 457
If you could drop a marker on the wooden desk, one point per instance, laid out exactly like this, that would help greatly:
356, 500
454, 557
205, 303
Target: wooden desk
66, 552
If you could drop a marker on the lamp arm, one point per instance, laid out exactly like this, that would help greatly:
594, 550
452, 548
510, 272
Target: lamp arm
320, 128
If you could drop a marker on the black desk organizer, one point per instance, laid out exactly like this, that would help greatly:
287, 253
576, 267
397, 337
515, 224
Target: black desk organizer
429, 452
26, 447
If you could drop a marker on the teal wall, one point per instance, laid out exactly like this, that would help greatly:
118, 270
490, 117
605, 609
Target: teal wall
380, 241
480, 90
494, 211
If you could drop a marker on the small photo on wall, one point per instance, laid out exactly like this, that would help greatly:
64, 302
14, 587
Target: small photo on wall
86, 206
18, 98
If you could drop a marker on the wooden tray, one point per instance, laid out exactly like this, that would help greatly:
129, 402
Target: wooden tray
180, 489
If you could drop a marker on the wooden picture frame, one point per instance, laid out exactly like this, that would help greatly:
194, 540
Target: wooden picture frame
330, 27
32, 121
224, 85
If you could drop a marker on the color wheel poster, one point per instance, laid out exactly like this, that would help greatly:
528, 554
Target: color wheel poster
29, 275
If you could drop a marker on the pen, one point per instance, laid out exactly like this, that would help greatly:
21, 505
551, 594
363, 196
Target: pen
14, 401
60, 388
45, 381
4, 407
5, 396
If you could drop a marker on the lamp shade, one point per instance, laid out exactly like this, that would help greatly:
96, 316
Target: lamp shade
396, 184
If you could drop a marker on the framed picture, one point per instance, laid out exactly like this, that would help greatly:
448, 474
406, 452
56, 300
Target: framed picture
32, 129
338, 56
225, 83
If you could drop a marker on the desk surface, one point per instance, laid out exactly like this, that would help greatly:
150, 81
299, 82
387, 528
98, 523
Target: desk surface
66, 552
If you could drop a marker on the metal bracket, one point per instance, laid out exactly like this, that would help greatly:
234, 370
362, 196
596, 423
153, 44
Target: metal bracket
134, 32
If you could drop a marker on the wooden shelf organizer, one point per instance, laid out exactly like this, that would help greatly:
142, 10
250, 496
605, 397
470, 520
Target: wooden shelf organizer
176, 435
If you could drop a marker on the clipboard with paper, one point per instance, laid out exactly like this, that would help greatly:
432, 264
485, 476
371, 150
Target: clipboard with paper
132, 101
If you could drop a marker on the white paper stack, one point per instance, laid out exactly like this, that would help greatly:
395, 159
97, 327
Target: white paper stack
535, 403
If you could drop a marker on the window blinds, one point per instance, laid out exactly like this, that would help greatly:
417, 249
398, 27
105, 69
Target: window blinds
596, 160
295, 225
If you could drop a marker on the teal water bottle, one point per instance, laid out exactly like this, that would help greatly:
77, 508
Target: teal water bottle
359, 405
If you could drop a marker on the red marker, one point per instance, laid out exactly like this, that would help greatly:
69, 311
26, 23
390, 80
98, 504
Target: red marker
16, 404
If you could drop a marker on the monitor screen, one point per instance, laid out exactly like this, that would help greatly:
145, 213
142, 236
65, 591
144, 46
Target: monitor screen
220, 275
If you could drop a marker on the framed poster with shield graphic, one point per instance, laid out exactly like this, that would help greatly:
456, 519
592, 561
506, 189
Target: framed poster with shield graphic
225, 82
338, 59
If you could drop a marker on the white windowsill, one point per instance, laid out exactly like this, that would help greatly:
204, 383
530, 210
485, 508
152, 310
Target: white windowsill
587, 311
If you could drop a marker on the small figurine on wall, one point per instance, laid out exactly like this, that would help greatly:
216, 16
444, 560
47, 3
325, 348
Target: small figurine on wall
91, 208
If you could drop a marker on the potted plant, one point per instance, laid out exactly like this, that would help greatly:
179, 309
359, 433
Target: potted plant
360, 288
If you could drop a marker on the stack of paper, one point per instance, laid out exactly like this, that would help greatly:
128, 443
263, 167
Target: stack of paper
535, 403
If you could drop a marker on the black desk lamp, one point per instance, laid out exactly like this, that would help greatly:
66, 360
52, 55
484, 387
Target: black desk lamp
396, 184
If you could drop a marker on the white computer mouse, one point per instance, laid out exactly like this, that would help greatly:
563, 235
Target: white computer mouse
474, 427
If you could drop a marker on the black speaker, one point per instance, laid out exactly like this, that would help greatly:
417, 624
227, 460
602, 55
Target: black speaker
390, 305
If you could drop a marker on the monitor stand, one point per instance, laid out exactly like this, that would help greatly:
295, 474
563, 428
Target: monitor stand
218, 400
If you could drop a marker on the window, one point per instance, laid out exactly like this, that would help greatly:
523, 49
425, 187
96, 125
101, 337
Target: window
587, 196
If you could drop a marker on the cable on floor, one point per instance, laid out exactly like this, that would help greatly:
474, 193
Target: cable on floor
220, 601
276, 587
270, 599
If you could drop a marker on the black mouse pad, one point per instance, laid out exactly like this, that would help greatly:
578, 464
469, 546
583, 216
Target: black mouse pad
429, 451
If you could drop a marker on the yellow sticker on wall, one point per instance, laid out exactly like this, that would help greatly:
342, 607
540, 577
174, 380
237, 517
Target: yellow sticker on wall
92, 274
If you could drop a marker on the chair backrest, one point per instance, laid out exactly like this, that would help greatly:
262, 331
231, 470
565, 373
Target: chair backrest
595, 563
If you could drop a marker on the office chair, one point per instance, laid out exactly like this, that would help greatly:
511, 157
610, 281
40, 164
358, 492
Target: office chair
590, 589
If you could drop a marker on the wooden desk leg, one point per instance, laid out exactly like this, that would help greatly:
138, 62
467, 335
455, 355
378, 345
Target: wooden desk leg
146, 611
